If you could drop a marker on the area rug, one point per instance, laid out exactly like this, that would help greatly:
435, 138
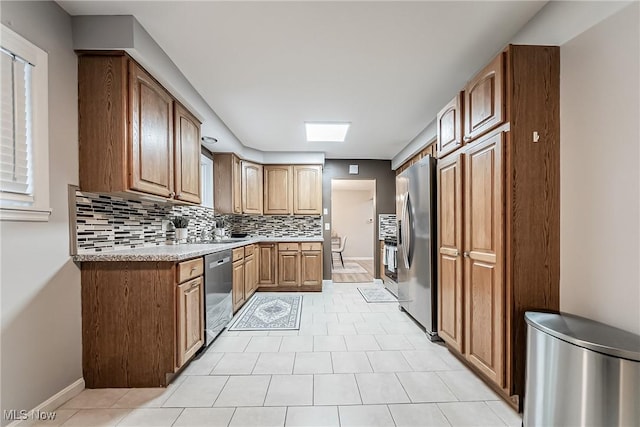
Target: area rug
270, 312
377, 294
349, 268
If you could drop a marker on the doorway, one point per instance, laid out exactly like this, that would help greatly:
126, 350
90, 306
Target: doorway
353, 207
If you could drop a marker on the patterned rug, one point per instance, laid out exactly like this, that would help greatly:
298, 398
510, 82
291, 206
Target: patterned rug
377, 294
349, 268
270, 312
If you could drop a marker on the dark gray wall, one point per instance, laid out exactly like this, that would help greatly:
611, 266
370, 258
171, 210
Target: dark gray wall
385, 177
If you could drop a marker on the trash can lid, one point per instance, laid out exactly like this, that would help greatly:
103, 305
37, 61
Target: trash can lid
587, 333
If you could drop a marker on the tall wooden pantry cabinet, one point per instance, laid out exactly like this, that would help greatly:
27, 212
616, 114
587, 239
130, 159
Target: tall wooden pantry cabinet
498, 212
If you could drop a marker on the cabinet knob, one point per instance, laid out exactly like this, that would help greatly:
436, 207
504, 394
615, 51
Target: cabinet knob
172, 194
465, 254
466, 138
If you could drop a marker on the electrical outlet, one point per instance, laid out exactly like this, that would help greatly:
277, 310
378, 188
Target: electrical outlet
327, 226
326, 211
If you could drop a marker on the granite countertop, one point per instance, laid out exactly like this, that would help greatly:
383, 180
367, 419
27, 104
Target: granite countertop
182, 251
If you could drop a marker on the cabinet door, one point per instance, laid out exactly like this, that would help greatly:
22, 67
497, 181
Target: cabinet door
251, 188
151, 136
450, 291
187, 155
483, 100
449, 126
190, 319
483, 276
307, 190
236, 182
249, 276
238, 284
278, 191
288, 268
268, 263
311, 268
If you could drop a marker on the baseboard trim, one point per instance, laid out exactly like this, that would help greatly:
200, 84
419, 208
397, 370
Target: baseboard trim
358, 258
327, 282
378, 281
55, 401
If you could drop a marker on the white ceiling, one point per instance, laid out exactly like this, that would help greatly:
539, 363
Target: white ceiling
267, 67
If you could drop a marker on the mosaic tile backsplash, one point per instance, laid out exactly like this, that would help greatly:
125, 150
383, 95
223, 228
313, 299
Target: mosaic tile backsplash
105, 222
386, 226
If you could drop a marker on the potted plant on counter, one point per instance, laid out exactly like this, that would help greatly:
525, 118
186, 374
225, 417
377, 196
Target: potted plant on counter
180, 224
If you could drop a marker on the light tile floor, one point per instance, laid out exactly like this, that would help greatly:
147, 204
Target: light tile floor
350, 364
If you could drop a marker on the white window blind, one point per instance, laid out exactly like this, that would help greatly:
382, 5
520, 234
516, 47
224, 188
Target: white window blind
15, 134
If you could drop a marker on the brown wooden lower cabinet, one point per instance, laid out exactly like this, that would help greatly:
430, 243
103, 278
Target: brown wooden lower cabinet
238, 280
290, 266
267, 265
140, 324
311, 267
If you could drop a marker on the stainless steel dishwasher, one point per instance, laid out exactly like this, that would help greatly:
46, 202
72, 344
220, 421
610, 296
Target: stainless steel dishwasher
218, 305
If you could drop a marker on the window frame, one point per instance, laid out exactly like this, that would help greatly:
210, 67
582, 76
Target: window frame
16, 207
206, 163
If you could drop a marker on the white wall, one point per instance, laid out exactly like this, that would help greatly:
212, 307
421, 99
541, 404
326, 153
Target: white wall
351, 211
41, 323
599, 178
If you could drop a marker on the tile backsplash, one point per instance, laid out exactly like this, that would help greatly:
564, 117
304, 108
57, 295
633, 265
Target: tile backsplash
106, 222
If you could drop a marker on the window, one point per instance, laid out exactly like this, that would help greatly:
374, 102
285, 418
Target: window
24, 133
206, 175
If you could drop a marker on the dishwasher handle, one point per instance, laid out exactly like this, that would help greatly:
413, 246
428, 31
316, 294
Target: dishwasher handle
220, 262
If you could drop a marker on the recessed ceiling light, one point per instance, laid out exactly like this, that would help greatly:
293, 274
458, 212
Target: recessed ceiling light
326, 132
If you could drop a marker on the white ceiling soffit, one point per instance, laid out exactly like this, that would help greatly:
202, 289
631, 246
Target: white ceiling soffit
353, 184
267, 67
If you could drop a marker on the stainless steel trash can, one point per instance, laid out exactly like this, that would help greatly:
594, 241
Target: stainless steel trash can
580, 373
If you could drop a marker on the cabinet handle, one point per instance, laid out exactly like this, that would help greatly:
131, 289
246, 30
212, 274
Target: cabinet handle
193, 269
466, 138
465, 254
172, 194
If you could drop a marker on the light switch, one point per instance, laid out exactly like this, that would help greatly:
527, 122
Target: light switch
326, 211
327, 226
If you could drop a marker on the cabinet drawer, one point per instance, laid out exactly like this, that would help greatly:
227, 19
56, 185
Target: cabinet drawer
190, 269
238, 254
249, 250
311, 246
288, 246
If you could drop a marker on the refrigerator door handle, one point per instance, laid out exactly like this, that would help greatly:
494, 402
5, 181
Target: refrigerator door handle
405, 231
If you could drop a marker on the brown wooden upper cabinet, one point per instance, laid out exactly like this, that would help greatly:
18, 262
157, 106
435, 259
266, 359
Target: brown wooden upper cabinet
126, 131
278, 189
449, 126
483, 100
187, 155
151, 149
227, 183
252, 193
307, 190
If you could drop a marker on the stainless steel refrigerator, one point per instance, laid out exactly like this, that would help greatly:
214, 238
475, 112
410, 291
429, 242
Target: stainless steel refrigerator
416, 221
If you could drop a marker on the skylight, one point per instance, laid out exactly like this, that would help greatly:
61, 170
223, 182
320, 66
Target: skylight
326, 132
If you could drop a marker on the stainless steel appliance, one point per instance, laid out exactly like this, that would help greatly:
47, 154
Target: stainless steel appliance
416, 225
580, 373
391, 265
218, 305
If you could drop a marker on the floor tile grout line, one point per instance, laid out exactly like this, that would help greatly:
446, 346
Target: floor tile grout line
179, 415
266, 393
